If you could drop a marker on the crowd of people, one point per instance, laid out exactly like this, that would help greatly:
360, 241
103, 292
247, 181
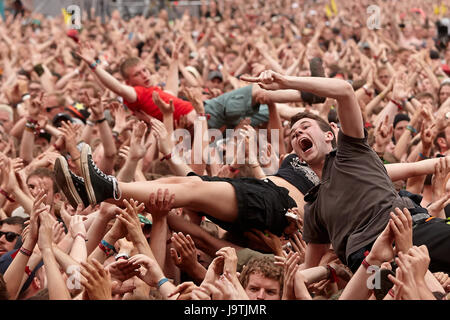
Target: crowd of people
265, 150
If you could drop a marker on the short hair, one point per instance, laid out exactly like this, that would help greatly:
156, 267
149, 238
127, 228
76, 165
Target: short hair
127, 64
93, 86
7, 109
42, 173
325, 126
265, 266
20, 221
426, 95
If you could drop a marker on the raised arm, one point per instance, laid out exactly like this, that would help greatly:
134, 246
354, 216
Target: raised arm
349, 111
88, 55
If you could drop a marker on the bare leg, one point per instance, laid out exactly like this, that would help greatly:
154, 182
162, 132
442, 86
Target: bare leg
216, 198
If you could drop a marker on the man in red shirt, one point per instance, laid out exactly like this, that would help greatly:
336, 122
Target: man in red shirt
137, 90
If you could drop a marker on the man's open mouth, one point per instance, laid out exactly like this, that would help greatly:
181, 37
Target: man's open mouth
305, 144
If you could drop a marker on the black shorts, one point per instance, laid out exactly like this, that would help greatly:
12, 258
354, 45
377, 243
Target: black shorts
261, 205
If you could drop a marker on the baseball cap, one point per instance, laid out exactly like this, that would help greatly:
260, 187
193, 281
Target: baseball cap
215, 74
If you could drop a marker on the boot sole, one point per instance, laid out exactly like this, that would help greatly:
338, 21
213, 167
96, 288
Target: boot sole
86, 175
65, 183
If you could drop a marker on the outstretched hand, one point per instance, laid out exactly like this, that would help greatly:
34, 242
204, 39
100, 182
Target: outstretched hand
268, 80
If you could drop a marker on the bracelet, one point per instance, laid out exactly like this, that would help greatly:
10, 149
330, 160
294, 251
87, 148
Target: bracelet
233, 169
333, 276
28, 271
122, 256
166, 157
365, 263
399, 106
90, 123
107, 245
366, 90
254, 166
56, 148
411, 128
205, 115
25, 252
81, 235
162, 281
94, 64
106, 250
6, 194
421, 155
99, 121
391, 293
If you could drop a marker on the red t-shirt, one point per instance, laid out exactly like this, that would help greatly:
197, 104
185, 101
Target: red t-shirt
145, 103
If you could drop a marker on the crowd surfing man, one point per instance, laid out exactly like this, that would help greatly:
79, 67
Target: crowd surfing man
342, 173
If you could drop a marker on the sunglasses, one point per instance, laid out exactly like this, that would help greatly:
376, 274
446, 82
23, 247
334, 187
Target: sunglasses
10, 236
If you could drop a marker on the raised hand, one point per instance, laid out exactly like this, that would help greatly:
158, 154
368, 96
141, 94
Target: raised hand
165, 108
122, 270
152, 272
160, 203
291, 267
86, 52
129, 218
401, 226
194, 95
96, 280
184, 253
268, 80
138, 146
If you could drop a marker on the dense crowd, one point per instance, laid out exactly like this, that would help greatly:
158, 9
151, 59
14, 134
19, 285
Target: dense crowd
269, 150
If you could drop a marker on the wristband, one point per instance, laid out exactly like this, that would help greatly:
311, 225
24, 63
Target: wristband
411, 128
25, 252
81, 235
423, 156
162, 281
366, 90
6, 194
90, 123
166, 157
109, 246
391, 293
94, 64
399, 105
333, 276
205, 115
122, 256
106, 250
365, 263
28, 271
99, 121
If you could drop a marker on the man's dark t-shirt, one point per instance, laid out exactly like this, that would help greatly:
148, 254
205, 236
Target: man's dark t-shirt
350, 207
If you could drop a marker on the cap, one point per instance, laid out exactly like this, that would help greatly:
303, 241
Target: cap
215, 74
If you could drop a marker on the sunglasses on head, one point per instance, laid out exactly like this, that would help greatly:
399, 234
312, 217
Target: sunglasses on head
10, 236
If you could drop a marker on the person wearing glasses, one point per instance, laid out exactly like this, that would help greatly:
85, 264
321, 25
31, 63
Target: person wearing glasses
10, 230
